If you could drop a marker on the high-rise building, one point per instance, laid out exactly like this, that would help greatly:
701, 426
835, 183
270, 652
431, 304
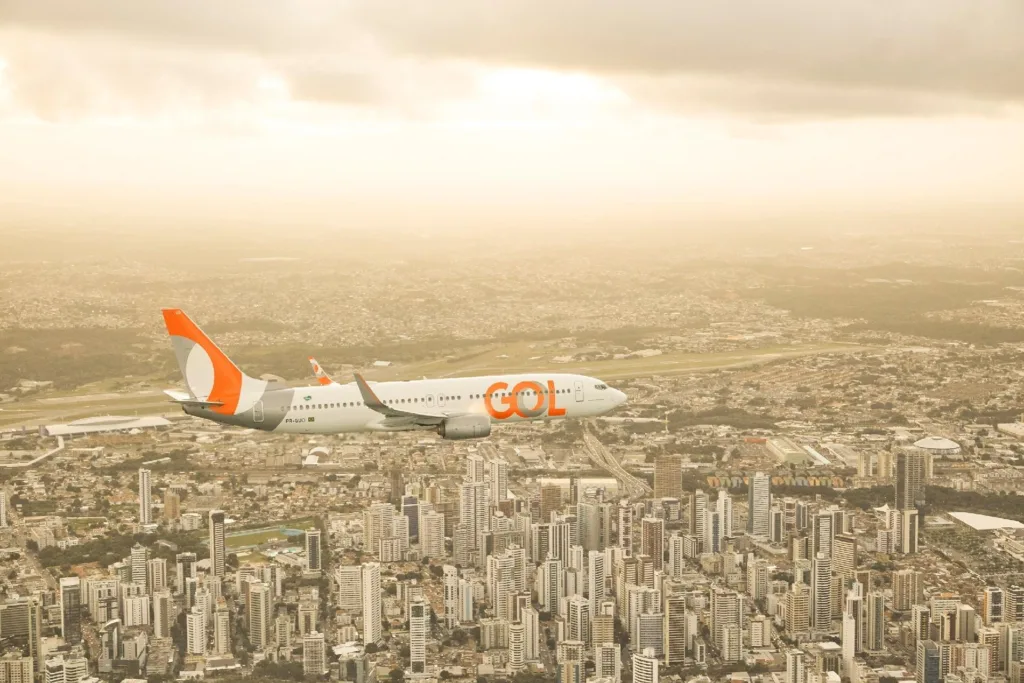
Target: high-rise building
314, 551
652, 540
397, 487
474, 510
378, 524
516, 646
411, 510
195, 632
218, 554
552, 585
163, 606
727, 622
645, 667
928, 662
578, 621
908, 535
608, 661
821, 590
451, 596
824, 532
139, 558
530, 619
844, 556
597, 579
283, 630
874, 637
910, 466
372, 627
66, 667
314, 654
71, 610
854, 607
668, 476
308, 616
625, 526
759, 505
550, 502
723, 506
172, 505
697, 511
260, 615
432, 535
1014, 611
757, 579
14, 668
156, 575
992, 604
186, 569
906, 589
798, 610
145, 498
795, 663
419, 626
497, 478
502, 582
920, 621
675, 629
222, 629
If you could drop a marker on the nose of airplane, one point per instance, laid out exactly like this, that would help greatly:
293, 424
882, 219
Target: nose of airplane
620, 397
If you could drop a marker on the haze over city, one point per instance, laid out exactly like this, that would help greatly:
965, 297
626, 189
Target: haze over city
513, 341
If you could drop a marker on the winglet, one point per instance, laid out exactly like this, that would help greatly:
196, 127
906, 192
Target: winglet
370, 399
321, 377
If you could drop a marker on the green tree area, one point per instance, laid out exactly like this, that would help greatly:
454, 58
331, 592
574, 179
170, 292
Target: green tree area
177, 461
71, 357
267, 670
997, 505
110, 549
971, 333
721, 415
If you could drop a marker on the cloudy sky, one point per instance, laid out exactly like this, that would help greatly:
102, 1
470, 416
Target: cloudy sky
381, 112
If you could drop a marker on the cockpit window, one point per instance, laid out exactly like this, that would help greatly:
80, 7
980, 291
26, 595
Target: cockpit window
601, 387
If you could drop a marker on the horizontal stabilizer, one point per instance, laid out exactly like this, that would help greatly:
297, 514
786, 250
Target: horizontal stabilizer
185, 399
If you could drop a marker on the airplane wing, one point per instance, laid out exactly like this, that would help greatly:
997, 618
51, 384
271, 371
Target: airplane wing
321, 377
394, 415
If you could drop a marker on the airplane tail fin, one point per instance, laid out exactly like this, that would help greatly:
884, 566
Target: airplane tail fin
321, 376
209, 374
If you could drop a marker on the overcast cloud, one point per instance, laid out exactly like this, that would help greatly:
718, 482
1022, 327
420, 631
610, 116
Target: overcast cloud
794, 58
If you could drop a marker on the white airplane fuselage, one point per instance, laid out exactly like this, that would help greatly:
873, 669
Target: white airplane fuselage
339, 408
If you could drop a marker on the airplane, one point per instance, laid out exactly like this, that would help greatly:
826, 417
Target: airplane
456, 408
322, 378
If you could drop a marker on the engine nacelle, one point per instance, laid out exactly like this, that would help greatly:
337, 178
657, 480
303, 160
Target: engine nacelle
465, 427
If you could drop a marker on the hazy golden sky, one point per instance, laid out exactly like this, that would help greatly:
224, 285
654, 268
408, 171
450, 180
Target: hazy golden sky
384, 112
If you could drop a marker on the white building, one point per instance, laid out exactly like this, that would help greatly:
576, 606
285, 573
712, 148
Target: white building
195, 623
314, 654
645, 667
145, 497
419, 626
372, 629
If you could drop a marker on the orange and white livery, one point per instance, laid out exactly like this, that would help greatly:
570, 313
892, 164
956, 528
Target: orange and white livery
322, 378
456, 408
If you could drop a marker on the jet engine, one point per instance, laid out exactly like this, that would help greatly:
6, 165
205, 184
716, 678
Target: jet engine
465, 427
